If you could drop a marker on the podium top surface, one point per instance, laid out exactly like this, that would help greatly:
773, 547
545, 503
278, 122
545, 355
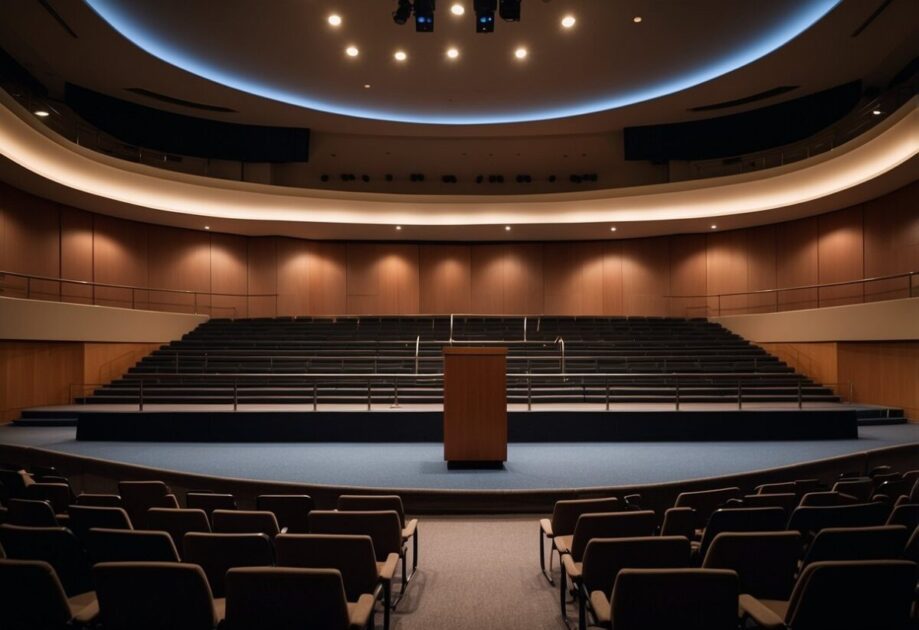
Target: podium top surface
477, 350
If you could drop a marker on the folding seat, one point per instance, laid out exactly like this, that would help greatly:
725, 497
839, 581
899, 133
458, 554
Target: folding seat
688, 599
827, 498
286, 598
874, 594
140, 496
155, 595
861, 489
177, 522
785, 487
353, 556
32, 598
788, 501
603, 558
14, 481
912, 547
56, 494
360, 502
291, 510
217, 553
766, 519
244, 522
100, 500
811, 519
125, 545
906, 514
31, 513
894, 489
85, 517
55, 545
564, 517
679, 522
765, 562
911, 476
704, 502
857, 543
209, 501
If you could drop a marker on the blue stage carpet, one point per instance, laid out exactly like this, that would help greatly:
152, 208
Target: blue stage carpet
529, 466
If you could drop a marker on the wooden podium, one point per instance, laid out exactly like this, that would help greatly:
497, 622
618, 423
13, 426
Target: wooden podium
475, 406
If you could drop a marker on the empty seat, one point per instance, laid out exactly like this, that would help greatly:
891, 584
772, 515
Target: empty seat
291, 510
874, 594
369, 502
788, 501
55, 545
31, 513
244, 522
286, 598
100, 500
217, 553
564, 517
689, 599
125, 545
859, 488
14, 481
56, 494
182, 600
857, 543
827, 498
811, 519
140, 496
906, 514
785, 487
85, 517
32, 598
679, 522
704, 502
765, 562
177, 522
765, 519
209, 501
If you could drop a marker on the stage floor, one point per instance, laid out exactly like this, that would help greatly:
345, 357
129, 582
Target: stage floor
421, 465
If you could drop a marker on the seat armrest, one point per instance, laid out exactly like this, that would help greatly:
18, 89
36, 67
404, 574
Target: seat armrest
546, 526
572, 568
389, 566
760, 613
409, 530
360, 613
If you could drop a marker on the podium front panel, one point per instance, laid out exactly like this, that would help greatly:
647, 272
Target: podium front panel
475, 404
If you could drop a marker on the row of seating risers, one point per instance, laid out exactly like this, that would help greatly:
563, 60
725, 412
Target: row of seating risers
648, 360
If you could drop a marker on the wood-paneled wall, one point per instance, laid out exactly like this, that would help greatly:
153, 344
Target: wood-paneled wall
620, 277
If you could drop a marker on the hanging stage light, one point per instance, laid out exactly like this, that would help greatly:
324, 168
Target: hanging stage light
424, 16
403, 12
485, 15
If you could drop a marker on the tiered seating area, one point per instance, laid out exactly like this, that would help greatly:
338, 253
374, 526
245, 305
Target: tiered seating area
379, 359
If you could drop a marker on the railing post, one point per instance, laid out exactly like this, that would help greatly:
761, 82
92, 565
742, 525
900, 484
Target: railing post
140, 402
451, 329
524, 328
529, 393
395, 404
315, 397
606, 388
739, 395
677, 394
417, 350
369, 396
800, 401
235, 394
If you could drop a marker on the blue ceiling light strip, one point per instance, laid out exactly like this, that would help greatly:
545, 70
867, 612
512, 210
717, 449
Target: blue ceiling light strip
118, 16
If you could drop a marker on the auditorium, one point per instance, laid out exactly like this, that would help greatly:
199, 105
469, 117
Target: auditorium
284, 280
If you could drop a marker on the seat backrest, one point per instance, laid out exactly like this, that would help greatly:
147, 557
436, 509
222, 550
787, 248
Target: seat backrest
100, 500
874, 594
183, 599
803, 486
833, 497
604, 558
760, 519
912, 547
689, 599
353, 556
14, 482
565, 514
894, 488
244, 522
31, 513
285, 598
765, 562
85, 517
786, 487
57, 494
209, 501
858, 488
55, 545
291, 510
177, 522
857, 543
906, 514
140, 496
126, 545
371, 502
32, 596
679, 521
704, 502
383, 527
807, 519
788, 501
610, 525
217, 553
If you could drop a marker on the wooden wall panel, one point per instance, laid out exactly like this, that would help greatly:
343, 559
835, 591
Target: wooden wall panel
76, 254
328, 278
30, 243
382, 278
645, 276
34, 373
229, 263
574, 278
487, 272
816, 360
727, 271
762, 268
523, 279
293, 277
613, 299
262, 276
883, 373
446, 278
797, 254
181, 260
891, 236
688, 275
120, 257
841, 256
105, 362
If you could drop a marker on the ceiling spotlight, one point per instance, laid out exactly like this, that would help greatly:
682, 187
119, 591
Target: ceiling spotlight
366, 86
41, 113
510, 10
335, 20
452, 53
398, 228
568, 21
457, 9
424, 16
507, 228
637, 19
876, 112
403, 12
352, 51
207, 227
612, 229
400, 55
714, 227
485, 15
521, 53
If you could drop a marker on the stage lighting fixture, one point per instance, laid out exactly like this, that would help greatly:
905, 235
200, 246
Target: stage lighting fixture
324, 178
485, 15
365, 178
403, 12
510, 10
388, 177
424, 16
479, 179
552, 179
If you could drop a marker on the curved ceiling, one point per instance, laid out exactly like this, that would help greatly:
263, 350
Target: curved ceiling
605, 61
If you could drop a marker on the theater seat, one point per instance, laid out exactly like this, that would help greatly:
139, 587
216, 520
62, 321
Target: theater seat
765, 562
122, 545
857, 543
55, 545
291, 510
217, 553
564, 517
209, 501
85, 517
31, 513
764, 519
32, 598
369, 502
100, 500
704, 502
177, 522
244, 522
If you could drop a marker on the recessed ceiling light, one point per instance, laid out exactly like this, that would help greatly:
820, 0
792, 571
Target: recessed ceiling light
457, 9
398, 227
507, 228
335, 19
366, 86
400, 55
876, 112
452, 53
637, 19
521, 53
612, 229
41, 113
352, 51
714, 227
568, 21
207, 227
